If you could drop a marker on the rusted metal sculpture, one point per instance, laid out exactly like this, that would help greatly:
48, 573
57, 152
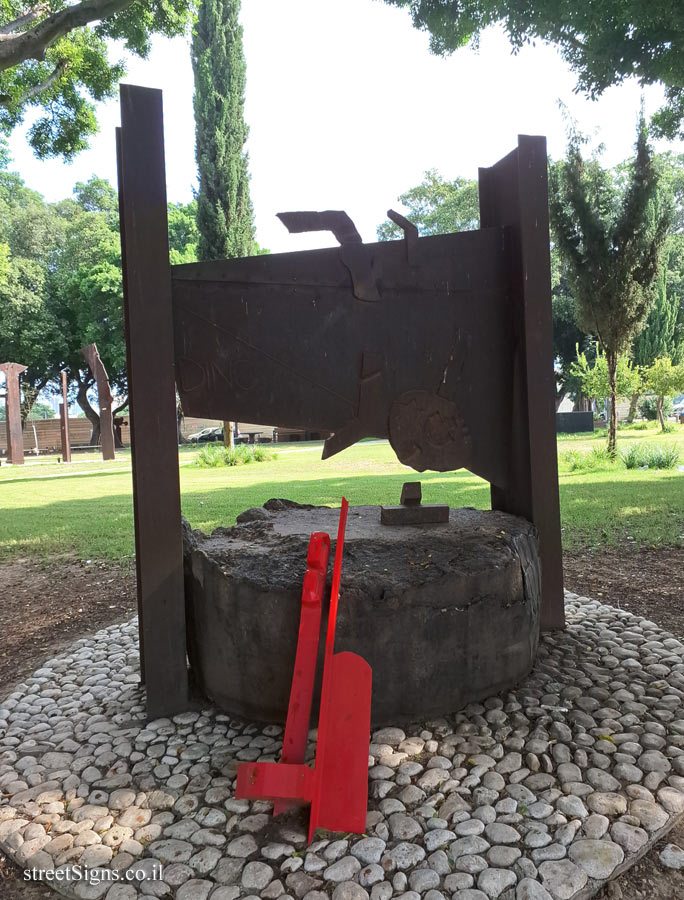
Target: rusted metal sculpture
104, 399
15, 436
337, 786
64, 421
442, 344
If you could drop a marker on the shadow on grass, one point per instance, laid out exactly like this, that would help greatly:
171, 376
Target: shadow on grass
72, 476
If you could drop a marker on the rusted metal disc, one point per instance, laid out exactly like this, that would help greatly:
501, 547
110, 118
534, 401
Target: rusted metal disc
427, 432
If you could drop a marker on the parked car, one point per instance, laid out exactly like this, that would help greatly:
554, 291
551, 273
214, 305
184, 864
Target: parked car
204, 435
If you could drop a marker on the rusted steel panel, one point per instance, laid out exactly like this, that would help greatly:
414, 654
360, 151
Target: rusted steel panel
152, 399
513, 194
15, 438
104, 399
284, 338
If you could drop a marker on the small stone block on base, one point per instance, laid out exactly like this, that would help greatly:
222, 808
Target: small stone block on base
423, 514
411, 493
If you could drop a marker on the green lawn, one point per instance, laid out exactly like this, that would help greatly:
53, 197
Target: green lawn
86, 508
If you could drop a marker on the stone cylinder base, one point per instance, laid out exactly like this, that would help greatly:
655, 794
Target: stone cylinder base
445, 614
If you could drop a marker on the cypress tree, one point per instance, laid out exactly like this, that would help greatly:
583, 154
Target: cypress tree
225, 219
224, 208
659, 338
611, 241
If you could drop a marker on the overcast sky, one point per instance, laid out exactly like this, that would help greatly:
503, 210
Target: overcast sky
347, 108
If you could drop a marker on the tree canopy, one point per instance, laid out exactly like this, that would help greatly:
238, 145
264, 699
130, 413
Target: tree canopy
595, 375
437, 206
664, 380
61, 286
54, 57
603, 43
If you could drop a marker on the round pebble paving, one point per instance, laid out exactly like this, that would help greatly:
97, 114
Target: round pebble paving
542, 793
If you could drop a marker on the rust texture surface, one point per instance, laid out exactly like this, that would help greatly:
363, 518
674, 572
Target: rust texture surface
15, 440
152, 400
104, 399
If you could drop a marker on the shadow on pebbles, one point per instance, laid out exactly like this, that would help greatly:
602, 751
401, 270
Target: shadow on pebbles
543, 793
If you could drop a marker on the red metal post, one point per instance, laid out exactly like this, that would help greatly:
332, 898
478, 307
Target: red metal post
340, 797
301, 693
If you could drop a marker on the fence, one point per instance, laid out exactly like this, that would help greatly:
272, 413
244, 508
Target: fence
47, 436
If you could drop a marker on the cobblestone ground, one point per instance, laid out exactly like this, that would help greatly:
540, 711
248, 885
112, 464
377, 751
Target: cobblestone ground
542, 793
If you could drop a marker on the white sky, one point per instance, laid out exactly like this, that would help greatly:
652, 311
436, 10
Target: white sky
347, 109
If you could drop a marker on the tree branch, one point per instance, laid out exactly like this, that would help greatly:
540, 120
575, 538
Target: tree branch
26, 19
32, 44
56, 73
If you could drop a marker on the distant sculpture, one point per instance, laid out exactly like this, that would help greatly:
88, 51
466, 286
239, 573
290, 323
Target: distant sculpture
104, 399
64, 421
15, 437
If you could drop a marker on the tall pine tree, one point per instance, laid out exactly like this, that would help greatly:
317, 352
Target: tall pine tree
224, 209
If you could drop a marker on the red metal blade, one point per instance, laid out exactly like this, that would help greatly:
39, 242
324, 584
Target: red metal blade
334, 592
275, 781
341, 786
301, 693
340, 799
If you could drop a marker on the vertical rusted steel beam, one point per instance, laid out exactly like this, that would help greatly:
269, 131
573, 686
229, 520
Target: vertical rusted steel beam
104, 399
64, 421
15, 436
152, 400
136, 528
514, 194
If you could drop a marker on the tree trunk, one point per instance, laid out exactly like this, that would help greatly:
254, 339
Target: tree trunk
659, 410
118, 424
179, 424
30, 393
633, 407
228, 436
91, 415
560, 396
611, 359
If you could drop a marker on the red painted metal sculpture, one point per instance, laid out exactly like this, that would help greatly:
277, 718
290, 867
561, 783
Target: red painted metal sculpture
301, 693
337, 786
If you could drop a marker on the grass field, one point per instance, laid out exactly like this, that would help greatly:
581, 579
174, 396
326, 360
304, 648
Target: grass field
86, 508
